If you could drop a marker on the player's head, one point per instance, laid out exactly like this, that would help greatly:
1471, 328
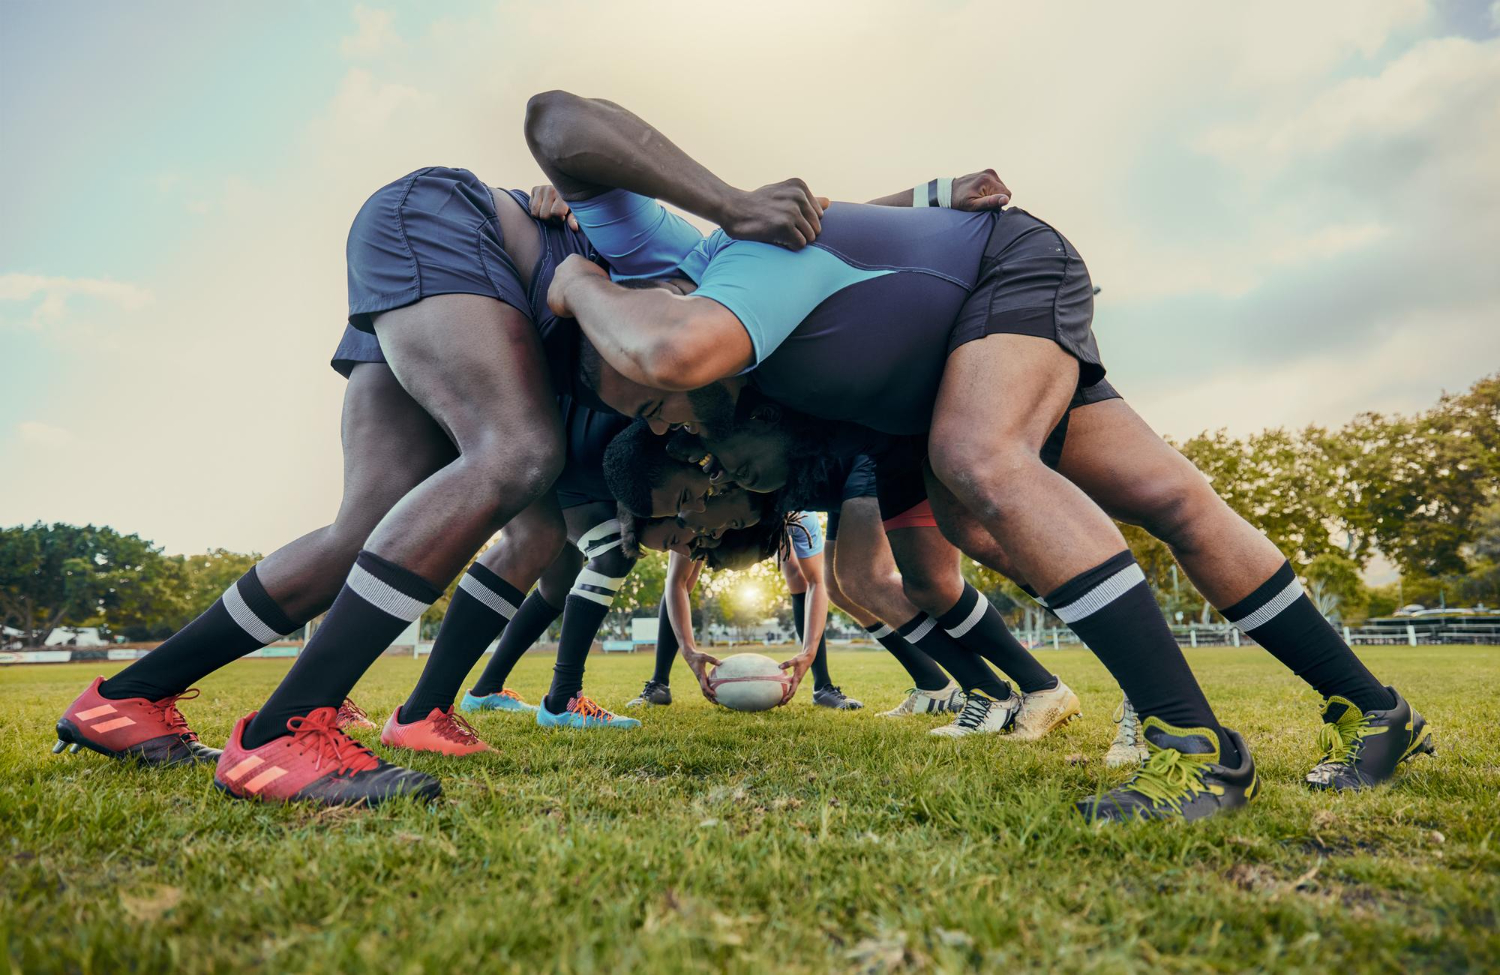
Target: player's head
709, 408
692, 532
647, 481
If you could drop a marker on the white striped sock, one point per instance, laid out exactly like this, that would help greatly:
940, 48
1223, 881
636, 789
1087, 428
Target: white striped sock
1101, 595
384, 596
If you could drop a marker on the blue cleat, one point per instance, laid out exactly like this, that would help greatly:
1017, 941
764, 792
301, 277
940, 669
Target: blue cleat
582, 713
506, 700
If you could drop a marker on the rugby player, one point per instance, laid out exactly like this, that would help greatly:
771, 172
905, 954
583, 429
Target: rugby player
975, 330
453, 437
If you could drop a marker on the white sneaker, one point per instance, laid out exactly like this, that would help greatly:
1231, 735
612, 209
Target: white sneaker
982, 716
1045, 711
1128, 748
950, 698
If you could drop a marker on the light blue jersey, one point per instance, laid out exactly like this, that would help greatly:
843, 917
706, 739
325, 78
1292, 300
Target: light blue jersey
807, 535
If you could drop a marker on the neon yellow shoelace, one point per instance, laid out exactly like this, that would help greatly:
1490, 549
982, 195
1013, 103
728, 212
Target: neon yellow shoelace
1169, 778
1341, 739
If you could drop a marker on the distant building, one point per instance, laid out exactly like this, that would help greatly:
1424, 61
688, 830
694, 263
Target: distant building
75, 636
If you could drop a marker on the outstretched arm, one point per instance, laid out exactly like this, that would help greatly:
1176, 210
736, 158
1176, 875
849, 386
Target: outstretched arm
588, 145
682, 576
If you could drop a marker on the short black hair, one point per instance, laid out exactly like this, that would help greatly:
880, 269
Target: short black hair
635, 462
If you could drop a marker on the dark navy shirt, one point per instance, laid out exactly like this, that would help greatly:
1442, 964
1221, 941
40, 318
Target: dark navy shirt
854, 327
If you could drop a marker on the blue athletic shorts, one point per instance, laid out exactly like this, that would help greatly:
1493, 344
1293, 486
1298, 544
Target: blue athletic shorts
432, 232
807, 535
859, 484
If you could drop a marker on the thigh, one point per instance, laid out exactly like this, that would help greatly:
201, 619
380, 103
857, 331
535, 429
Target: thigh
1000, 395
476, 365
1123, 465
390, 444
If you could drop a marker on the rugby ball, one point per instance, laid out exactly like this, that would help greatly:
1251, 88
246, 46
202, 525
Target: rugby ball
749, 682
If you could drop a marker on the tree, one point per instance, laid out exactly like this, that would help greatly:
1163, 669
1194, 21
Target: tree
1334, 586
65, 575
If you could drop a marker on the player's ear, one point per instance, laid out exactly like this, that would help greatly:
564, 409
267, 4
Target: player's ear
767, 413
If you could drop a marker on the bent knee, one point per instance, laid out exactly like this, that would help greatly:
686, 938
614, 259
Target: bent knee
980, 474
1175, 510
515, 472
930, 595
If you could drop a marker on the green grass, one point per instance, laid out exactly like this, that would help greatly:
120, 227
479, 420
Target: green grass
797, 840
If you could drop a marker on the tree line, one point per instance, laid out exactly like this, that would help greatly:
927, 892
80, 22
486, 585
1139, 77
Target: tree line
1423, 491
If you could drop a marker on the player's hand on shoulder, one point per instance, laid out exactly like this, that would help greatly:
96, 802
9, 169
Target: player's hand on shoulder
573, 268
983, 190
786, 214
548, 204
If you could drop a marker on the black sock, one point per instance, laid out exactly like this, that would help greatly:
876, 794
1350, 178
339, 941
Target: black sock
923, 670
966, 666
580, 624
379, 600
820, 661
244, 619
481, 606
530, 622
666, 646
1279, 616
1112, 610
977, 625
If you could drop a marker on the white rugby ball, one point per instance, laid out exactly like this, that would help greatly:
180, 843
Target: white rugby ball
749, 682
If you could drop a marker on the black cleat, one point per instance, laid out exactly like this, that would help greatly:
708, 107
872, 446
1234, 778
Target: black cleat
1182, 779
655, 692
1362, 749
829, 696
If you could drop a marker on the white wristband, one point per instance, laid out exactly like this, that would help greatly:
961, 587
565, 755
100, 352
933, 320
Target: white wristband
934, 193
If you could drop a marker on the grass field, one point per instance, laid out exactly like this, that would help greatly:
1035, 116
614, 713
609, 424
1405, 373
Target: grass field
797, 840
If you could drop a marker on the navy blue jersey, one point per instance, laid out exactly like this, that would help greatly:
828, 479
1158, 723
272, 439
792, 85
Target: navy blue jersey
853, 327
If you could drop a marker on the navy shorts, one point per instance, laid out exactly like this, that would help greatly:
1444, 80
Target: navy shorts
587, 433
433, 232
859, 484
899, 482
355, 347
1032, 282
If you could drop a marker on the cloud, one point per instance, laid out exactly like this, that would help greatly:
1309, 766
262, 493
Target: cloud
45, 435
1290, 207
374, 35
52, 294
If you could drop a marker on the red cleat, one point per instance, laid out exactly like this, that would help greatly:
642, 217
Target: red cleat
318, 763
351, 715
441, 731
152, 732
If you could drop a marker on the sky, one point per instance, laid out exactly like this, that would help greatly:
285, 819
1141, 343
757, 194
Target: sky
1291, 208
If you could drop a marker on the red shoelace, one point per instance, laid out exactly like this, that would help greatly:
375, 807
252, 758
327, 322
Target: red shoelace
507, 692
455, 728
319, 732
172, 718
349, 712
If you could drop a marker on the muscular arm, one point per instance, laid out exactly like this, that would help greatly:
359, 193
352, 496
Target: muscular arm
653, 336
588, 145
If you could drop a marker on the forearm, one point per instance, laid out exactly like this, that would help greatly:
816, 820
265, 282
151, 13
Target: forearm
681, 577
656, 337
817, 615
589, 145
901, 198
